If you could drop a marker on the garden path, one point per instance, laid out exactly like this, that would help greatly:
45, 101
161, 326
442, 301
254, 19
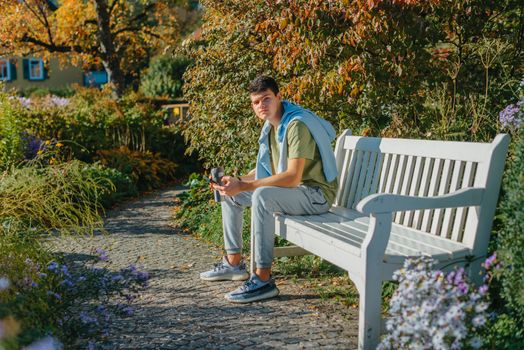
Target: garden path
179, 311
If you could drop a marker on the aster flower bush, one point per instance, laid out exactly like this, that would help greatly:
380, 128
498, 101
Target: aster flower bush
75, 302
435, 310
511, 117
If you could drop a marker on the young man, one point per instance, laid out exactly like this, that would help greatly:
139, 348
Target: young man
295, 174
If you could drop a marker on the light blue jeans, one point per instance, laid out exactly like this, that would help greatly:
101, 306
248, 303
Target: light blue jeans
264, 201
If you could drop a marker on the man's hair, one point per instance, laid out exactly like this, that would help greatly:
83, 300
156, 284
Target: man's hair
262, 83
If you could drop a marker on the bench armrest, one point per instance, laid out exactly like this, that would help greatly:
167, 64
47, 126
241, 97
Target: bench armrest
387, 203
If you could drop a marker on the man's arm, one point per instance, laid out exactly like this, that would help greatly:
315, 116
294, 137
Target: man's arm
289, 178
249, 176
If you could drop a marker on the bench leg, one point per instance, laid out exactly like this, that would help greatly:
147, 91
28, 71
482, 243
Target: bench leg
370, 302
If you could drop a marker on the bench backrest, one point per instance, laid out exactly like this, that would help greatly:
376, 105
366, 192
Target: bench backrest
370, 165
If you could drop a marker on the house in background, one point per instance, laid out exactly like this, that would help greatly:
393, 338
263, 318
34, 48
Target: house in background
30, 73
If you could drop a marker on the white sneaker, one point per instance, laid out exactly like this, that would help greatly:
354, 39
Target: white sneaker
224, 271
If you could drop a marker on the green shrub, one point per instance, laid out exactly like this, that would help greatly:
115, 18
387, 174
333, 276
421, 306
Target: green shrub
164, 77
147, 170
59, 197
124, 187
511, 236
11, 128
196, 212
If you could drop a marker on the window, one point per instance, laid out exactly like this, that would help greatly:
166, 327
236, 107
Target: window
95, 78
36, 69
5, 71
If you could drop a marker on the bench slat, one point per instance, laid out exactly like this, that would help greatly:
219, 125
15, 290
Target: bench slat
404, 189
359, 158
461, 213
433, 190
362, 177
344, 176
384, 172
414, 189
449, 216
445, 179
463, 151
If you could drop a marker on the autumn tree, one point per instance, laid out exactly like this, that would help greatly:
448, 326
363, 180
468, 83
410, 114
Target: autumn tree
417, 68
119, 34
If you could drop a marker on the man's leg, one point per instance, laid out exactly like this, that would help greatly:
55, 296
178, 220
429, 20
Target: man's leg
231, 267
232, 222
267, 201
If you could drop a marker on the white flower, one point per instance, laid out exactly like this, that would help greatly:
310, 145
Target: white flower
4, 283
476, 343
47, 343
479, 321
481, 307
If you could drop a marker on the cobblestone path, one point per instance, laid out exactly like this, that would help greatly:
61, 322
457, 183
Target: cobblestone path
179, 311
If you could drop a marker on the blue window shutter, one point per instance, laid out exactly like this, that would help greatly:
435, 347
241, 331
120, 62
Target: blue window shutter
25, 63
12, 67
46, 71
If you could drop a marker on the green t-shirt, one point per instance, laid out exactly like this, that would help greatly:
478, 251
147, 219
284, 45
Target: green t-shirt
301, 144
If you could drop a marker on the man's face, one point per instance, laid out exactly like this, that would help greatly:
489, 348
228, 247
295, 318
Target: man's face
267, 106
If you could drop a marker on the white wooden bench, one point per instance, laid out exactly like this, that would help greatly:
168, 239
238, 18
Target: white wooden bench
399, 198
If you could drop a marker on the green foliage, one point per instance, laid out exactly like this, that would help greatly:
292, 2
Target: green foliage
420, 69
65, 197
511, 236
146, 169
164, 77
504, 333
11, 128
197, 212
92, 120
34, 91
124, 187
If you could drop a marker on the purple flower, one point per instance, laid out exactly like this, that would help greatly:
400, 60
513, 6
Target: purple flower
53, 266
117, 277
102, 254
128, 311
4, 283
90, 346
65, 271
86, 319
131, 268
142, 276
489, 261
53, 294
32, 145
483, 289
24, 101
508, 117
67, 282
59, 101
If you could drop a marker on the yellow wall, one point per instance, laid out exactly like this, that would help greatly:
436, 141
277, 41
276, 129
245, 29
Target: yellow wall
59, 76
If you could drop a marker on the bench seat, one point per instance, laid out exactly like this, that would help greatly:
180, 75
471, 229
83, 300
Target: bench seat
345, 229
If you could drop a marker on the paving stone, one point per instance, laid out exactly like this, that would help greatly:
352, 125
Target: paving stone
179, 311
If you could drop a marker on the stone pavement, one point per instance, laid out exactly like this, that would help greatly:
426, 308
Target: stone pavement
179, 311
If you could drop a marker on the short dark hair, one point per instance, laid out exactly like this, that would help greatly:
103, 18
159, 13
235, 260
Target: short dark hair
262, 83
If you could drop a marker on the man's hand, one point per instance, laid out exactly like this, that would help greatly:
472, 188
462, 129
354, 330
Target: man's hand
231, 186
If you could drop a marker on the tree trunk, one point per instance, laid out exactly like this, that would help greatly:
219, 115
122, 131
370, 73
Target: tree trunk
110, 60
